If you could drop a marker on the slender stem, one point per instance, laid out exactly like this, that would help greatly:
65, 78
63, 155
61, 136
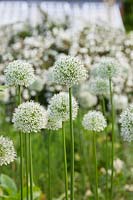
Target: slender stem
26, 165
104, 113
30, 168
81, 153
112, 116
49, 166
72, 144
65, 160
95, 163
21, 148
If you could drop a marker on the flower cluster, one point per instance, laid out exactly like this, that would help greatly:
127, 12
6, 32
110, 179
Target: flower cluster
94, 121
69, 71
126, 121
29, 117
107, 68
99, 86
59, 107
7, 151
19, 72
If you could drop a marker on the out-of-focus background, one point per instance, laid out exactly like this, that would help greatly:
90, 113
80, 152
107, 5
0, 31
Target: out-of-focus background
40, 32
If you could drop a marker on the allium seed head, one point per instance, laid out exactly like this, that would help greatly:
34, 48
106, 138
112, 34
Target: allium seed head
30, 117
99, 86
94, 121
19, 73
7, 151
107, 68
126, 121
69, 71
59, 106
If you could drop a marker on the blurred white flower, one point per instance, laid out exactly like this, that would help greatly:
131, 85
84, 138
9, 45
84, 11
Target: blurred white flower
126, 121
118, 165
53, 123
7, 151
99, 86
87, 100
120, 102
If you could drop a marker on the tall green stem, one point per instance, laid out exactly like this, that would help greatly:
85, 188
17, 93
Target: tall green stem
95, 163
65, 160
104, 113
112, 116
30, 168
49, 166
21, 148
26, 165
72, 144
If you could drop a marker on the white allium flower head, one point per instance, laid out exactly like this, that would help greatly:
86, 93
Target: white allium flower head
59, 106
30, 117
69, 71
99, 86
37, 85
94, 121
107, 68
126, 121
19, 73
53, 123
7, 151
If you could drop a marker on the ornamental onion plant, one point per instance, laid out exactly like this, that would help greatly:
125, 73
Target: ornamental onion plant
30, 117
100, 87
69, 71
95, 122
20, 74
107, 69
59, 111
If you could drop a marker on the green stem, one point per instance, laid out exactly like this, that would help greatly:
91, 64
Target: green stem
49, 166
21, 148
30, 168
95, 163
65, 160
104, 113
26, 165
112, 116
72, 144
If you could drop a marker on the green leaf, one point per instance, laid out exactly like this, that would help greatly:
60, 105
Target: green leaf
8, 184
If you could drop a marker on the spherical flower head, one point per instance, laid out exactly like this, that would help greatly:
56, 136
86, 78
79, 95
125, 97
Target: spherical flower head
30, 117
126, 121
53, 123
59, 106
94, 121
19, 73
69, 71
107, 68
7, 151
99, 86
87, 100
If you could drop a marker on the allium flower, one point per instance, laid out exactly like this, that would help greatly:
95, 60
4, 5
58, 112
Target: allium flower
107, 68
94, 121
69, 71
126, 120
19, 72
87, 100
99, 86
53, 123
7, 151
30, 117
37, 85
59, 106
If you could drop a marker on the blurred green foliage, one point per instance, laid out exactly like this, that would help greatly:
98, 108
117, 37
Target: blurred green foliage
128, 14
